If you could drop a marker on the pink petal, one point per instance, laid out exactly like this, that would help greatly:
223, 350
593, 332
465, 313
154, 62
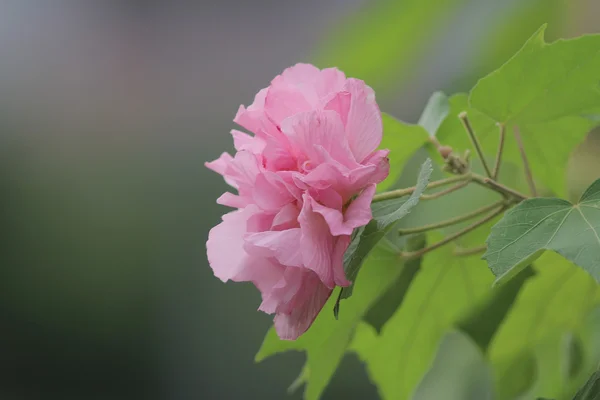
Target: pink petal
232, 200
306, 131
283, 102
364, 128
220, 166
340, 103
225, 245
251, 117
330, 80
270, 192
243, 141
308, 302
358, 213
316, 243
286, 218
301, 74
282, 245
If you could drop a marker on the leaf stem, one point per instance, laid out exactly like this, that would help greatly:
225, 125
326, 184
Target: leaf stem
496, 170
452, 221
394, 194
445, 191
454, 236
467, 125
528, 173
463, 252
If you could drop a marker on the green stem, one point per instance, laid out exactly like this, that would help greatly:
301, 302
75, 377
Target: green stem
467, 125
463, 252
454, 236
444, 192
394, 194
498, 187
452, 221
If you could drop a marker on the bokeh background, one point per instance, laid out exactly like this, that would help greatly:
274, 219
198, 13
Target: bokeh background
108, 110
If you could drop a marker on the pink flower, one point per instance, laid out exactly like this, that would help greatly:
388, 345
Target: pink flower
304, 182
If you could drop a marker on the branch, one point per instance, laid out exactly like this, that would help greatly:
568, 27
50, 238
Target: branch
467, 125
452, 221
463, 252
498, 187
454, 236
394, 194
444, 192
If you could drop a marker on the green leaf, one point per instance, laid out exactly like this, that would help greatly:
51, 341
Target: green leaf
528, 349
542, 224
439, 296
403, 140
459, 372
385, 215
436, 110
387, 304
543, 82
548, 91
483, 321
326, 341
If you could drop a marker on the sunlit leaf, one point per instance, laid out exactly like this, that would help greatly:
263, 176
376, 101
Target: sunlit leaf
438, 297
535, 225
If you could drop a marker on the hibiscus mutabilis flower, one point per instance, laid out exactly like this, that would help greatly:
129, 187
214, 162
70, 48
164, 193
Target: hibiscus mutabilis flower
304, 181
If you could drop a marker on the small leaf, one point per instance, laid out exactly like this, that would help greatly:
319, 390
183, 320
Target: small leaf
436, 110
403, 140
542, 224
459, 372
385, 215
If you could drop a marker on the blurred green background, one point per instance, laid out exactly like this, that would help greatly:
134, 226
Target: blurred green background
109, 109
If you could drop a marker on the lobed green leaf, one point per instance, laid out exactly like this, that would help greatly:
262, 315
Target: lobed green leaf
539, 224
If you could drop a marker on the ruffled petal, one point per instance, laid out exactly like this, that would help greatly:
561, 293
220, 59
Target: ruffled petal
225, 245
358, 213
313, 130
364, 128
307, 302
220, 167
282, 245
317, 244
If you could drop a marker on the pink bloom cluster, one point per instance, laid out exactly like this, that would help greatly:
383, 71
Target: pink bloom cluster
304, 181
